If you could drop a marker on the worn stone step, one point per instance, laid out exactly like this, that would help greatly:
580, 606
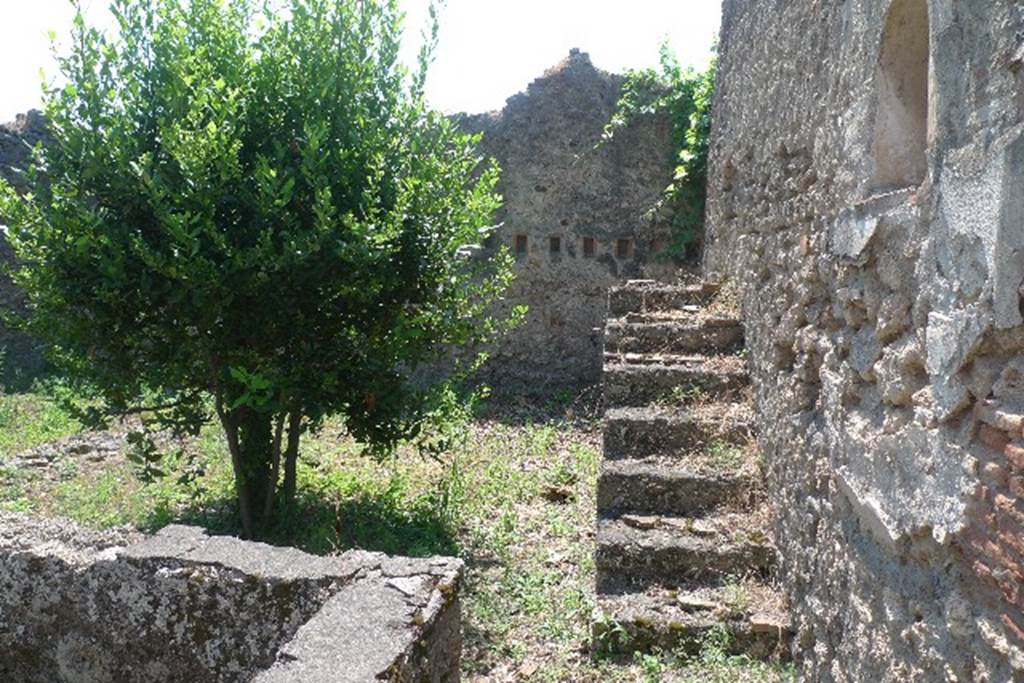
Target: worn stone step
641, 431
641, 551
712, 335
641, 296
751, 614
639, 383
643, 488
614, 357
683, 314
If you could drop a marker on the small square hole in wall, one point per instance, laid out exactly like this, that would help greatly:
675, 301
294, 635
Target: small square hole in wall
589, 247
624, 249
521, 245
556, 245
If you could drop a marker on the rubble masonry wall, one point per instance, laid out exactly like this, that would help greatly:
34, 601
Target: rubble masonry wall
882, 300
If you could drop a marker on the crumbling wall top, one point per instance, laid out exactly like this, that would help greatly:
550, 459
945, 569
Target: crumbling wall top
82, 605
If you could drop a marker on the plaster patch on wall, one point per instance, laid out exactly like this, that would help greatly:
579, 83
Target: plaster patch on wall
1008, 251
952, 339
869, 509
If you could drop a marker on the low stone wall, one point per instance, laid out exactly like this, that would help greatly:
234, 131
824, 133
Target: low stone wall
78, 606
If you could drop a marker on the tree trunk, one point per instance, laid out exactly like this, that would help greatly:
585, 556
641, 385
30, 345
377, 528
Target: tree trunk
229, 422
256, 449
254, 440
291, 456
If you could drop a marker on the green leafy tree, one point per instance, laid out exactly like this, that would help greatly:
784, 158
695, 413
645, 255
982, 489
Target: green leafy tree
685, 95
250, 215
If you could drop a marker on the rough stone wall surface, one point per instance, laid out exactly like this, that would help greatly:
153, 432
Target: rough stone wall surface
19, 355
557, 186
77, 606
884, 328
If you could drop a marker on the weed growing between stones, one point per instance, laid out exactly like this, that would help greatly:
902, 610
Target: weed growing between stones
684, 395
710, 662
727, 454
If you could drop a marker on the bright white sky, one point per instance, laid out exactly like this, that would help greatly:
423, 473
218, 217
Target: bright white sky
489, 49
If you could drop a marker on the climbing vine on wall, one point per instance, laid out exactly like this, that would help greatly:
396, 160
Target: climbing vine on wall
686, 95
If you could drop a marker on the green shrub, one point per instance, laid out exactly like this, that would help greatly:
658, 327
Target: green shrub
251, 215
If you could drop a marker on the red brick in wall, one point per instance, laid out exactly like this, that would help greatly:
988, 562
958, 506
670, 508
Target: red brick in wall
992, 547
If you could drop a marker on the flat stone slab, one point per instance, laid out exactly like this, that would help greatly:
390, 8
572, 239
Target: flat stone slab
674, 620
636, 383
78, 605
644, 550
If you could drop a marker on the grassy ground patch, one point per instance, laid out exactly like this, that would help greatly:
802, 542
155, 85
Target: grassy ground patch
515, 500
28, 420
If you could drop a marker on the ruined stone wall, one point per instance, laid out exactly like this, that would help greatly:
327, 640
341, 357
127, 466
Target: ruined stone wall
882, 299
20, 358
575, 216
79, 606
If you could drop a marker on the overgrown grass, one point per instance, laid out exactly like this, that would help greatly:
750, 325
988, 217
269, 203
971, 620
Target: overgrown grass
29, 420
516, 501
13, 491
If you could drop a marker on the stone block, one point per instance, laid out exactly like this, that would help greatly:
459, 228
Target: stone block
77, 605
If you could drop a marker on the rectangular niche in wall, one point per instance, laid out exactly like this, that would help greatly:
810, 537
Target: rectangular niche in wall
589, 247
902, 84
521, 245
555, 245
624, 249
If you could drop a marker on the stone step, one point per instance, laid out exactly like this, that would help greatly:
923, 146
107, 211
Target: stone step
713, 335
641, 296
751, 615
635, 552
642, 488
614, 357
640, 383
683, 314
641, 431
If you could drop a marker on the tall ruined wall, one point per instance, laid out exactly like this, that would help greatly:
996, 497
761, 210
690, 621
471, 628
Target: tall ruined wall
561, 196
882, 298
19, 355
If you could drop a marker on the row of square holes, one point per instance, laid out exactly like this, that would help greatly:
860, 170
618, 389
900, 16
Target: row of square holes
623, 247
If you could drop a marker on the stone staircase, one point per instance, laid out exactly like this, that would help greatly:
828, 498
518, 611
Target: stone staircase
683, 546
